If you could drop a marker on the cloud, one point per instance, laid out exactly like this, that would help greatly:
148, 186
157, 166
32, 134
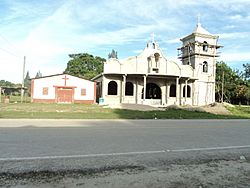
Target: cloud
174, 41
234, 35
235, 56
46, 32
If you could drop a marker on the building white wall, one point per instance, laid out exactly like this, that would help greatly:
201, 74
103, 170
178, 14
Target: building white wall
58, 80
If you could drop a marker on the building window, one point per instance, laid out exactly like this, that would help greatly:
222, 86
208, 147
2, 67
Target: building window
83, 92
190, 49
112, 88
129, 89
45, 91
188, 91
157, 58
205, 46
172, 90
205, 66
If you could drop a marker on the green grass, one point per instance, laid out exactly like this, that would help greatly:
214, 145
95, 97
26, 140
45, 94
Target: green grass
241, 111
16, 99
80, 111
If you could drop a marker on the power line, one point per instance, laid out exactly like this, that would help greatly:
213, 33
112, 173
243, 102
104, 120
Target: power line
8, 41
10, 53
10, 44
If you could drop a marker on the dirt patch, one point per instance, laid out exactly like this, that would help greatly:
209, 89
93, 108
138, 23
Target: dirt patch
216, 108
212, 174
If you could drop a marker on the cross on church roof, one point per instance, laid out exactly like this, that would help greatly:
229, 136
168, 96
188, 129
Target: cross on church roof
153, 37
65, 80
199, 19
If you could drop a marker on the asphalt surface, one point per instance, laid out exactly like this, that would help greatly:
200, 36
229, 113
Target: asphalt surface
91, 146
51, 138
105, 137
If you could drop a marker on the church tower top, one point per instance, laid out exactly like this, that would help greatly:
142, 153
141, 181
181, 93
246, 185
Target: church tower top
199, 29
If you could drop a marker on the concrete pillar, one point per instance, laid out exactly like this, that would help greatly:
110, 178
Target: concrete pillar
186, 91
193, 94
163, 94
144, 86
105, 87
180, 93
177, 90
167, 92
123, 87
136, 92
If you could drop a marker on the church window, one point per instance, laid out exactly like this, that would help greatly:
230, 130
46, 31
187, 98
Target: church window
83, 92
190, 49
112, 88
205, 66
172, 90
205, 46
129, 89
157, 58
45, 91
188, 91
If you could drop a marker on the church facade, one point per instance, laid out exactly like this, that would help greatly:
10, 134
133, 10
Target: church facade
152, 79
63, 88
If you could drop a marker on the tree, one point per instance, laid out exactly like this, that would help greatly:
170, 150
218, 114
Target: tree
27, 82
235, 88
84, 65
38, 74
6, 83
113, 54
246, 71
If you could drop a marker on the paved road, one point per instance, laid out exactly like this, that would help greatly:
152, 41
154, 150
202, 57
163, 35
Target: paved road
93, 141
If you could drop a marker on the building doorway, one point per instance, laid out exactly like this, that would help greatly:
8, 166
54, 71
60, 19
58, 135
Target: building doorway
64, 95
153, 91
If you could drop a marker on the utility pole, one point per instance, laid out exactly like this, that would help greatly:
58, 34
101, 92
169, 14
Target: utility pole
22, 90
222, 87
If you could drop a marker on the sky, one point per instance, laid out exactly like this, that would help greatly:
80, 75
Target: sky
45, 32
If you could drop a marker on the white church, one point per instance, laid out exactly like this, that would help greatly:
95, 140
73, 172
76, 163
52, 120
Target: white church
152, 79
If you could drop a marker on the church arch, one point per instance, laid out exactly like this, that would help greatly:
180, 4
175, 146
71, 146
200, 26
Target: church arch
153, 91
172, 92
188, 91
112, 88
129, 89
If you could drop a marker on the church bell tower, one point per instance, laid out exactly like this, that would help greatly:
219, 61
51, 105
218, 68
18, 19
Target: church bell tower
199, 50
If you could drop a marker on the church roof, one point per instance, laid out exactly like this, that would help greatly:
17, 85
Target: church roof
199, 29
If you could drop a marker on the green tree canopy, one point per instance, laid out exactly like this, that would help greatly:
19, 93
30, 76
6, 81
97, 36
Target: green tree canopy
38, 74
113, 54
27, 82
235, 88
6, 83
84, 65
246, 71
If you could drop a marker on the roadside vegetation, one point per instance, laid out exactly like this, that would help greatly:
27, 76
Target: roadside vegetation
80, 111
242, 111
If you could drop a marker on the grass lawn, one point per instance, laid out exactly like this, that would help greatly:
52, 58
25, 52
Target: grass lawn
241, 111
80, 111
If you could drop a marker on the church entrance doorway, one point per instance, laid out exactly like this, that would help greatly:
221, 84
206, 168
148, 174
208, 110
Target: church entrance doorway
153, 91
153, 94
64, 95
